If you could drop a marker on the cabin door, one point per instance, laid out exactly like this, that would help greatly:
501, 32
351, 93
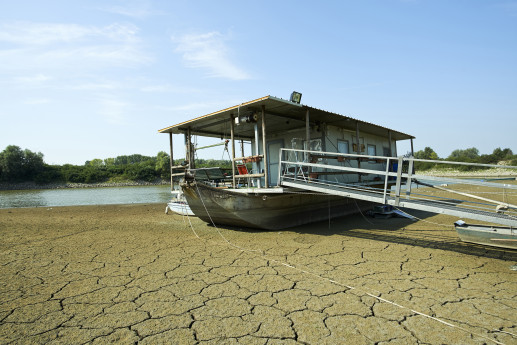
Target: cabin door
273, 152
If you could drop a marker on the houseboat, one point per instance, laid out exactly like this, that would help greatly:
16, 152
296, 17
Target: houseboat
251, 194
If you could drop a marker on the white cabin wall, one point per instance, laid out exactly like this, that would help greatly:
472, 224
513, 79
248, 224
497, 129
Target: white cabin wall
287, 137
329, 136
334, 134
380, 144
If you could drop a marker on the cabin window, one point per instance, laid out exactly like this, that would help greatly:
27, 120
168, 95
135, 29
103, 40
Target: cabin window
372, 150
342, 146
386, 152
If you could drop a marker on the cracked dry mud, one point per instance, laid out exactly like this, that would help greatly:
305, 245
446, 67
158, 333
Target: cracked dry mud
131, 274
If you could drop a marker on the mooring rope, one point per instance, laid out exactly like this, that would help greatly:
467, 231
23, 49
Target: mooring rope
381, 299
215, 226
361, 212
188, 217
423, 220
184, 210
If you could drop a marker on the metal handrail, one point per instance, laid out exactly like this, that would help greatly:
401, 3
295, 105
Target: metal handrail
404, 158
401, 178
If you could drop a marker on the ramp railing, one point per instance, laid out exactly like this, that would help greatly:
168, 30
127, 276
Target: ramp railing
395, 181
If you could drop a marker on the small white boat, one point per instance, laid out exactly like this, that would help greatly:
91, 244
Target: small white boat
496, 236
178, 204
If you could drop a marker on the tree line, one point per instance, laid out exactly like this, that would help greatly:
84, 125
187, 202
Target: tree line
470, 155
17, 165
22, 165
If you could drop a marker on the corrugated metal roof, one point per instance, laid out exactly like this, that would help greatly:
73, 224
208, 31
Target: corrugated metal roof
281, 115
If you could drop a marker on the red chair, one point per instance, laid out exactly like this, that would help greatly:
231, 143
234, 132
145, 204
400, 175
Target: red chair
241, 168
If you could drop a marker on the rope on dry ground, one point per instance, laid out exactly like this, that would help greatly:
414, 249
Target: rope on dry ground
264, 256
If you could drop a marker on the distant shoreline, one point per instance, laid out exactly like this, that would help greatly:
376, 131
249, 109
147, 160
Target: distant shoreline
33, 185
489, 173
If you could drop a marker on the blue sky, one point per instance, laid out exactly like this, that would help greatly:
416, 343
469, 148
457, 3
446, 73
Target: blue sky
96, 79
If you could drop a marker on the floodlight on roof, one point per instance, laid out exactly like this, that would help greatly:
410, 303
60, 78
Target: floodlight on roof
296, 97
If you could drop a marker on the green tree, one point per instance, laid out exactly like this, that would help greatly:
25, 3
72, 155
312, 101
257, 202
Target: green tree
11, 160
33, 164
50, 173
144, 171
20, 165
500, 155
162, 166
427, 153
131, 159
467, 155
95, 162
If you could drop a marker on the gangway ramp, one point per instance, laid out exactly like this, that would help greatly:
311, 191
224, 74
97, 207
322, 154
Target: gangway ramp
398, 186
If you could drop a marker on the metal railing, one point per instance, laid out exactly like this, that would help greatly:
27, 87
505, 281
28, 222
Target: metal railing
394, 181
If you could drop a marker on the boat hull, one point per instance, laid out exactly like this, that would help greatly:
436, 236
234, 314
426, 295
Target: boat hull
178, 204
271, 211
179, 207
495, 236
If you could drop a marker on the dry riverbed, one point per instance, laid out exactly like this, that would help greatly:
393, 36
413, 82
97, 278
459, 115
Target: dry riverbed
132, 274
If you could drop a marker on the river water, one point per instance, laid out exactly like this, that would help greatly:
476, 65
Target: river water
84, 196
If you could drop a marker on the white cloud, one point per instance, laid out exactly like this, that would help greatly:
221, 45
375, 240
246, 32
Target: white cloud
157, 88
168, 88
209, 51
25, 33
37, 79
112, 54
134, 9
29, 33
96, 86
199, 108
114, 111
37, 101
41, 46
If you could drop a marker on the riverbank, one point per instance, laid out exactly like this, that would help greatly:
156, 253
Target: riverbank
33, 185
130, 273
488, 173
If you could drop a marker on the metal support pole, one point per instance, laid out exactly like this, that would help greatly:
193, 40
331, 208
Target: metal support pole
409, 174
264, 151
280, 166
171, 161
307, 129
191, 163
358, 151
389, 143
242, 148
187, 148
386, 177
307, 137
398, 183
412, 151
257, 164
232, 124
